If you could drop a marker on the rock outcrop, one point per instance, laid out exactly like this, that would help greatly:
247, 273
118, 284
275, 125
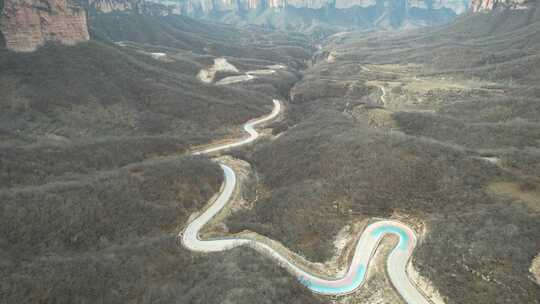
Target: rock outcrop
489, 5
107, 6
27, 24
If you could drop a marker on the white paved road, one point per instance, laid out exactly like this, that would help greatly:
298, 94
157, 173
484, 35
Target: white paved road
368, 243
249, 128
248, 76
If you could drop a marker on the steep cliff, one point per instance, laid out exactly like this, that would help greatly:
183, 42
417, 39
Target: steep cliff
305, 13
27, 24
457, 6
489, 5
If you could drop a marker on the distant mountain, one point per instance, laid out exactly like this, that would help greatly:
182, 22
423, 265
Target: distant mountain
239, 5
27, 24
304, 14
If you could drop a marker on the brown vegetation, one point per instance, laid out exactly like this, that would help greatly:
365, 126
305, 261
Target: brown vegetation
94, 187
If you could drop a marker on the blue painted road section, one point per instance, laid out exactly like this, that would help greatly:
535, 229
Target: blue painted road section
403, 236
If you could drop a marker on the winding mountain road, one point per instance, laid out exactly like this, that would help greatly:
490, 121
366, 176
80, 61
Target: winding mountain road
249, 127
355, 276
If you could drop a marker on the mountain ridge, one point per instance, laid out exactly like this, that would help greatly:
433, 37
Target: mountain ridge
27, 24
301, 14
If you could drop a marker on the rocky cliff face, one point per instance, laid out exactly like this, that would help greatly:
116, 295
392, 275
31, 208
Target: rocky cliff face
27, 24
458, 6
146, 7
344, 13
489, 5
